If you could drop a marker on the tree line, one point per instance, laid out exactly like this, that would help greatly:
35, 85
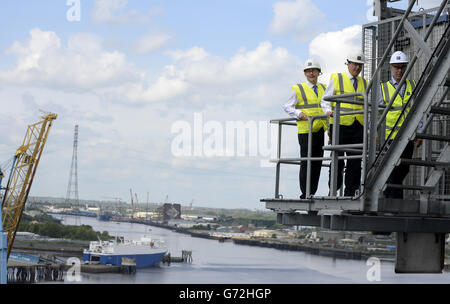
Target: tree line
45, 225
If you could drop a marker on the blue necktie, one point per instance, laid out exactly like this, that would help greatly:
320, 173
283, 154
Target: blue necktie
355, 83
315, 90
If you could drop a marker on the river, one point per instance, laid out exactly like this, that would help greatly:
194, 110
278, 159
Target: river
227, 263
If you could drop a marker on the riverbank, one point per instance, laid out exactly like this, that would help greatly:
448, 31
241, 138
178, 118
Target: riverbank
316, 249
340, 253
60, 248
356, 253
76, 249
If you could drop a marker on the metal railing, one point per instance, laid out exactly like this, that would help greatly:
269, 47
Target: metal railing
334, 147
374, 119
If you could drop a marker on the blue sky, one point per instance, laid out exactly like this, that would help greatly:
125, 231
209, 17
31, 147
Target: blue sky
129, 70
218, 26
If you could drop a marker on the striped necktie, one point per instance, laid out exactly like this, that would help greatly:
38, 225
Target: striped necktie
315, 90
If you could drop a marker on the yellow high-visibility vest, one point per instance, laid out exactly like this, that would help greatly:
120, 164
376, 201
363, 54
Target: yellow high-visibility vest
343, 85
309, 103
395, 113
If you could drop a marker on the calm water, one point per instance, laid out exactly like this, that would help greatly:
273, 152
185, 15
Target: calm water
227, 263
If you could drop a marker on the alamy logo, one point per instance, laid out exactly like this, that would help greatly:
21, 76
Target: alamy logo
229, 139
374, 272
74, 272
74, 12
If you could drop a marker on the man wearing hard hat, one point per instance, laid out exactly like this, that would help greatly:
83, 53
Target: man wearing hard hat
350, 126
303, 103
396, 115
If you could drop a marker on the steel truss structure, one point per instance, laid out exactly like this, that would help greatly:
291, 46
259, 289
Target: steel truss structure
424, 36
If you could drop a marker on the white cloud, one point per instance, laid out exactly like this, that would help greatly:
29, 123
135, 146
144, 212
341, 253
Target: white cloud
300, 18
332, 48
197, 75
164, 88
264, 61
82, 64
193, 54
260, 65
152, 42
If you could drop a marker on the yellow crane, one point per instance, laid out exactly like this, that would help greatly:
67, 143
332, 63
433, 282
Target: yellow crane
26, 160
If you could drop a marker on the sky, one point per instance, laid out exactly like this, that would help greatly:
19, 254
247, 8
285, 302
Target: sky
157, 86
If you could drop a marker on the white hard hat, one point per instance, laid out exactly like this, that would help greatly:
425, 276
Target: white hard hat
398, 57
312, 64
356, 57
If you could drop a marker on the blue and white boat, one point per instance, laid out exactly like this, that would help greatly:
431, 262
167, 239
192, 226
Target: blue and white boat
145, 252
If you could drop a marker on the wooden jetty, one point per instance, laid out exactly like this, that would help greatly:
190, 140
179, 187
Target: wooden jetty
20, 273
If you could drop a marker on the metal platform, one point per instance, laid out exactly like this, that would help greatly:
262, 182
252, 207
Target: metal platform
410, 207
394, 215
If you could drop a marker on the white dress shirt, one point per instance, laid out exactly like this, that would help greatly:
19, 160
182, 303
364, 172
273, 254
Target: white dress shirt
289, 106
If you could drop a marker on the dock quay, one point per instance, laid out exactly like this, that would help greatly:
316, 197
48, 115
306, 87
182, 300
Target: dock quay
40, 260
316, 250
324, 251
65, 249
186, 257
20, 273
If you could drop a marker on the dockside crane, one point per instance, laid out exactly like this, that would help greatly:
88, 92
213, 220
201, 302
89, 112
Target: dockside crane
25, 163
148, 206
118, 202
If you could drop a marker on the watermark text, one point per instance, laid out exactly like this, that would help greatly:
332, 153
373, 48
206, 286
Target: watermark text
224, 139
74, 12
74, 272
374, 272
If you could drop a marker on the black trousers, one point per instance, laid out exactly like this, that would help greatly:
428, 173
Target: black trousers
316, 166
399, 173
352, 134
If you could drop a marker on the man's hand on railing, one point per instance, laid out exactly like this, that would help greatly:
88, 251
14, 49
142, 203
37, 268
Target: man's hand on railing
303, 116
329, 114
